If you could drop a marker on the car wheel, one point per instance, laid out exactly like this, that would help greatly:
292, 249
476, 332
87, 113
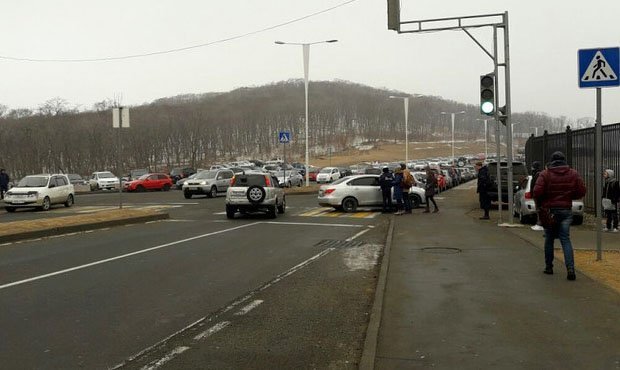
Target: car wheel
69, 201
256, 194
187, 195
230, 212
212, 192
272, 213
299, 184
140, 188
46, 204
10, 209
166, 187
282, 207
349, 204
577, 220
415, 201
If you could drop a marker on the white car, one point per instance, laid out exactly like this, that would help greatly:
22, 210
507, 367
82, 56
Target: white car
355, 191
525, 208
104, 180
40, 191
327, 174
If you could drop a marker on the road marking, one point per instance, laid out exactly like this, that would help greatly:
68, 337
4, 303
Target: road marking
330, 212
249, 307
172, 354
212, 330
308, 224
122, 256
357, 235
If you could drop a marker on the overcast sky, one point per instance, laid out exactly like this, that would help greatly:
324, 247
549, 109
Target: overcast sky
545, 36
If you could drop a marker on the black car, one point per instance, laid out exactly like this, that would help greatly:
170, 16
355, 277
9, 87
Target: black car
180, 173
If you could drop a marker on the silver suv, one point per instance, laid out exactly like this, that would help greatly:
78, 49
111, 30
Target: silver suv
210, 182
255, 192
40, 191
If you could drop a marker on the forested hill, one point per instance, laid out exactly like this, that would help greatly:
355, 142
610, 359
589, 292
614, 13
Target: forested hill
199, 129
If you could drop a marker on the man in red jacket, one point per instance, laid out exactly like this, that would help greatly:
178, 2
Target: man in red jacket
555, 190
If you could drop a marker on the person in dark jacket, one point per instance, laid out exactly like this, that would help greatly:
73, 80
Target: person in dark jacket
429, 190
484, 183
554, 192
4, 183
385, 182
611, 191
398, 191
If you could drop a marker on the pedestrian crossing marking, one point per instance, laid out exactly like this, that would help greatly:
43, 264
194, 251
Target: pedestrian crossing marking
332, 213
599, 69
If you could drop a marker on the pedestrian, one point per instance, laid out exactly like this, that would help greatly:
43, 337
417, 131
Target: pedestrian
385, 182
483, 187
398, 191
535, 170
554, 192
611, 196
429, 190
408, 182
4, 183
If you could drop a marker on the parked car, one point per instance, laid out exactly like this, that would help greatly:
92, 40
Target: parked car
76, 179
312, 172
289, 178
525, 208
149, 181
209, 183
255, 192
135, 174
349, 193
40, 191
103, 180
180, 173
328, 174
179, 183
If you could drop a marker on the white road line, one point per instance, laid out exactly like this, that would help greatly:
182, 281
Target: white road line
212, 330
249, 307
357, 235
174, 353
121, 256
309, 224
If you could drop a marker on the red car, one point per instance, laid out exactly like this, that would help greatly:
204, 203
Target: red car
149, 181
312, 173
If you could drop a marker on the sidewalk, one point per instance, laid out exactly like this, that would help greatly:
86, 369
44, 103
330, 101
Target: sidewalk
464, 293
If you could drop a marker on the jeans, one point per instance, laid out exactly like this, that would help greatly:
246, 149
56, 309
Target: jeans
407, 200
563, 219
612, 219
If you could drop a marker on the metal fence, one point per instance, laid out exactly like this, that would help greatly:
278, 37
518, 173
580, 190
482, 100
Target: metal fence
578, 146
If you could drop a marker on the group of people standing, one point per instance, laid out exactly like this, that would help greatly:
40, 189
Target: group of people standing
400, 182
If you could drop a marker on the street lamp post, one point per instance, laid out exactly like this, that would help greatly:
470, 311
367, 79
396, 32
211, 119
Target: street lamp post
486, 136
406, 102
452, 116
306, 54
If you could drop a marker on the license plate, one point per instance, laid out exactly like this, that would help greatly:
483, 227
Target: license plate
18, 202
193, 188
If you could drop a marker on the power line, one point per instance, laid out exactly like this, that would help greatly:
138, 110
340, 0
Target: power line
176, 50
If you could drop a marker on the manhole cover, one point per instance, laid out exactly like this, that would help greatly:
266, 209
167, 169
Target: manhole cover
441, 250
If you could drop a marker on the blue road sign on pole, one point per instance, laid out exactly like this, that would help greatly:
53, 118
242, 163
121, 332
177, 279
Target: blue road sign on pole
285, 137
599, 67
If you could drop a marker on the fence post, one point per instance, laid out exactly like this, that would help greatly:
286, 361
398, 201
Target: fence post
544, 148
569, 146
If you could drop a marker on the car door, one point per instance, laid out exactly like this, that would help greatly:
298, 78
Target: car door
367, 191
54, 189
223, 180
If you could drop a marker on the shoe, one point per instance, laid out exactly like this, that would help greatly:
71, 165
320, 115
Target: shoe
537, 228
436, 210
548, 270
614, 230
426, 211
398, 213
485, 218
570, 274
605, 230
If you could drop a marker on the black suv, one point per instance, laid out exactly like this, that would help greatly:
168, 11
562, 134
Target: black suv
519, 171
255, 192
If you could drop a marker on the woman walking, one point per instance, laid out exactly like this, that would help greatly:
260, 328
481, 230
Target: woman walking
429, 192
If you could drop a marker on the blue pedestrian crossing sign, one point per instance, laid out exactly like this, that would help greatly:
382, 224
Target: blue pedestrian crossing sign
599, 67
285, 137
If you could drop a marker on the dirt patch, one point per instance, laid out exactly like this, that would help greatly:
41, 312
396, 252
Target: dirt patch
605, 271
17, 227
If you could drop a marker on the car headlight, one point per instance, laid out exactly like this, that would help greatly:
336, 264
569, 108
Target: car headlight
203, 183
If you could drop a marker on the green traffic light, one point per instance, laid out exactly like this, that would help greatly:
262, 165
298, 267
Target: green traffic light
487, 107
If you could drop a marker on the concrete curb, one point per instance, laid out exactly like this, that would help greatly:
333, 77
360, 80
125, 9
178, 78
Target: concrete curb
42, 233
367, 362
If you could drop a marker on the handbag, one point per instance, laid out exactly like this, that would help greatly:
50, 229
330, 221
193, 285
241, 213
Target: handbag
546, 218
608, 205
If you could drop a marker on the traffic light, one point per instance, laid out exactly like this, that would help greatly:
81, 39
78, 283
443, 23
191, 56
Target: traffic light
393, 10
487, 94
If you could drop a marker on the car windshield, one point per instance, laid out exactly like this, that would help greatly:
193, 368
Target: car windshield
326, 170
144, 177
33, 182
106, 175
206, 175
73, 176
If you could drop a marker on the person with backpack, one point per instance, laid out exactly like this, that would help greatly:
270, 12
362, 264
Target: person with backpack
385, 182
406, 184
611, 191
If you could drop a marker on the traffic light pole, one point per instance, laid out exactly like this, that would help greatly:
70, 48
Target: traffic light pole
497, 21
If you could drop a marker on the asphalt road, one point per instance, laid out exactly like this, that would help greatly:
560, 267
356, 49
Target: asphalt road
195, 291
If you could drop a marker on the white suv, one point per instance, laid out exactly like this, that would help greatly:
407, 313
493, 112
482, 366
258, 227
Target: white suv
255, 192
40, 191
104, 180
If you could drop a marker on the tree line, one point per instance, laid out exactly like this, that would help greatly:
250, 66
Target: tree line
201, 129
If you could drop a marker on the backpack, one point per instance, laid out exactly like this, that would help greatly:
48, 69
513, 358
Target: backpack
407, 180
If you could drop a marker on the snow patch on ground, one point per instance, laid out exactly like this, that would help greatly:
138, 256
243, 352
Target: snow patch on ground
363, 257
